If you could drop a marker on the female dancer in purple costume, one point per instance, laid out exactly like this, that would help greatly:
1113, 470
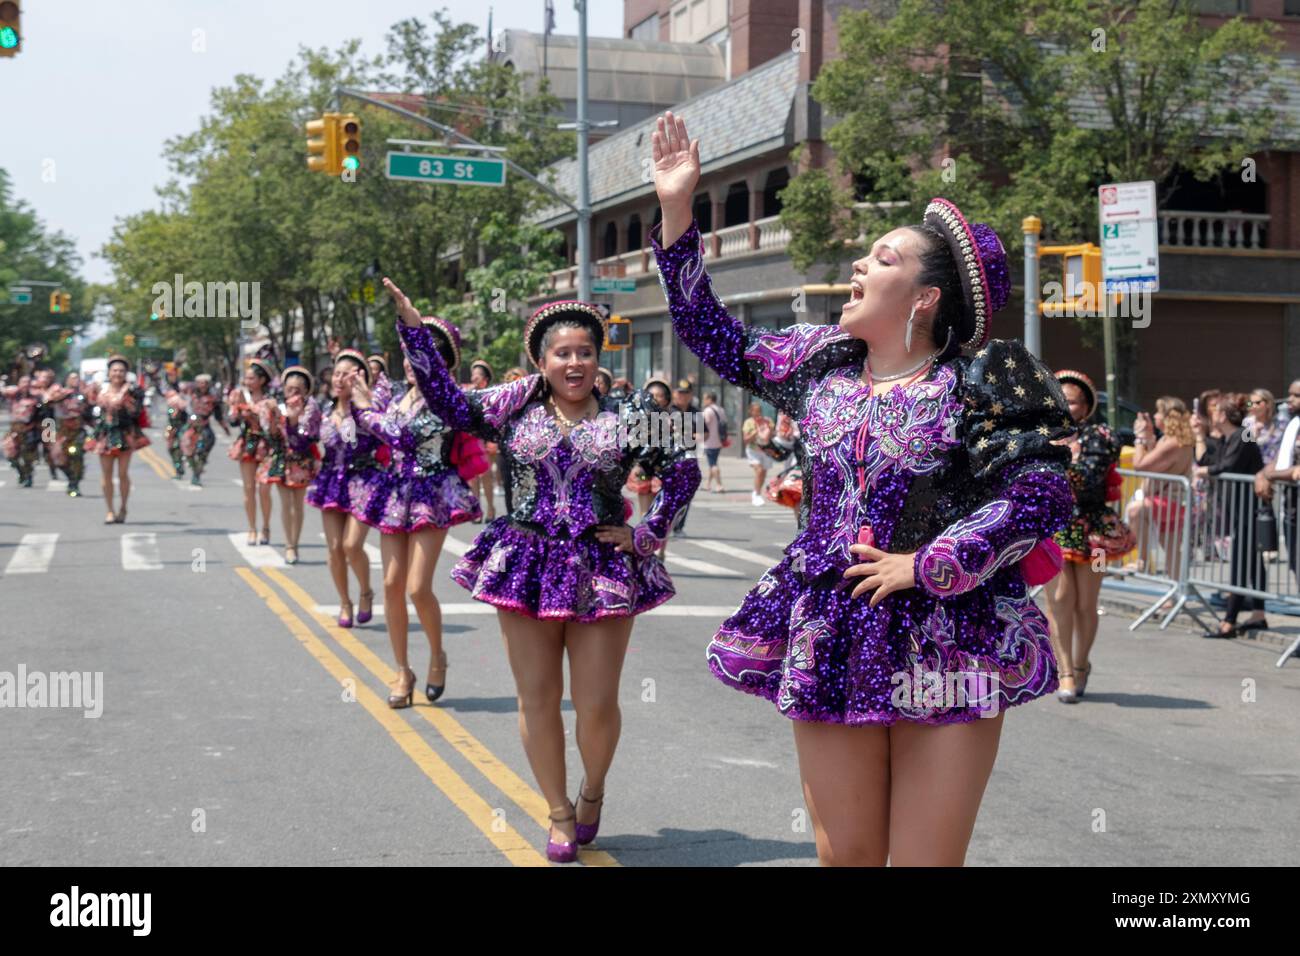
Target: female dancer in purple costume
564, 570
348, 469
423, 497
295, 422
945, 464
250, 447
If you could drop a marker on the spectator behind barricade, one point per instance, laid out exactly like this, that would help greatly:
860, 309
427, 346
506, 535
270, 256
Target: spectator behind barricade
621, 388
1204, 429
1264, 424
1235, 504
1160, 505
1285, 467
684, 402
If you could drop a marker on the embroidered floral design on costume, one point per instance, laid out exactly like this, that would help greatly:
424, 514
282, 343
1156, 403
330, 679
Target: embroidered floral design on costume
782, 352
942, 568
912, 430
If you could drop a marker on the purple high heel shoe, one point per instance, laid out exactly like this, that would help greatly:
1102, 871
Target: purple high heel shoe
345, 620
565, 852
586, 832
364, 616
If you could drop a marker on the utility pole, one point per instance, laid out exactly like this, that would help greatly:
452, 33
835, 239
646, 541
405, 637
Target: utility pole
1032, 226
584, 188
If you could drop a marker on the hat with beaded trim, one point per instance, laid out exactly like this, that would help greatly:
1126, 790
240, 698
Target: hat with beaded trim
383, 362
450, 335
981, 265
552, 312
1073, 377
298, 370
114, 359
481, 363
355, 356
263, 366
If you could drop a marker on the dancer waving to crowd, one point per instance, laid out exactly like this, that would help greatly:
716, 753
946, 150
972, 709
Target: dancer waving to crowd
421, 497
938, 472
564, 570
119, 432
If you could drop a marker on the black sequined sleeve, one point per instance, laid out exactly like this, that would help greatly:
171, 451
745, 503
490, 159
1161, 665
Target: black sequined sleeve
653, 435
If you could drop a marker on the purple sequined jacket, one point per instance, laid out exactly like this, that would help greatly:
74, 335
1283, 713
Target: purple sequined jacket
959, 468
562, 487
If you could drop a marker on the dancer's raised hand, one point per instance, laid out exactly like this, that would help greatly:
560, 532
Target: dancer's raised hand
408, 313
677, 160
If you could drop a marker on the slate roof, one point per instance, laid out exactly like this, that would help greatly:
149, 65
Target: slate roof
751, 114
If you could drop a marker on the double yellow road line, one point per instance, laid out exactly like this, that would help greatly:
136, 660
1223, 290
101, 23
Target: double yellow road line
151, 458
491, 822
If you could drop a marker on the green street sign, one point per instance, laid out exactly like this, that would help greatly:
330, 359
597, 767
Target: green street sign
20, 298
458, 170
147, 342
612, 286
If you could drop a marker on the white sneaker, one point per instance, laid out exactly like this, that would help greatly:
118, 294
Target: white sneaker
757, 500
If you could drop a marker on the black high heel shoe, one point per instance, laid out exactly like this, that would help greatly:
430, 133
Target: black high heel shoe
434, 691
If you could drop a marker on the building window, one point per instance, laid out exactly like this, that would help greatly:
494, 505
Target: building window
647, 354
737, 208
1225, 7
1292, 8
647, 29
634, 233
611, 240
777, 180
703, 212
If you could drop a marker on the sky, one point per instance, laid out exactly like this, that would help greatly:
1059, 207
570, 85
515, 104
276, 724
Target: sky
100, 86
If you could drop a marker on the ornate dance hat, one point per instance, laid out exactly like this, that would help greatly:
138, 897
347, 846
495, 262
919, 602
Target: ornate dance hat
541, 320
658, 381
265, 366
298, 370
450, 335
1085, 383
479, 363
114, 359
204, 379
383, 362
981, 264
357, 357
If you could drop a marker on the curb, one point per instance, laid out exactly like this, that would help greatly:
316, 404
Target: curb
1132, 610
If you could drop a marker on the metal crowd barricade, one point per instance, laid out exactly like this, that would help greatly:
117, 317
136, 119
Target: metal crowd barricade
1229, 553
1161, 511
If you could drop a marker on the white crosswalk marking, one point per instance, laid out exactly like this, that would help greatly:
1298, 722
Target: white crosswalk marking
455, 545
33, 554
753, 557
140, 552
56, 485
702, 567
257, 555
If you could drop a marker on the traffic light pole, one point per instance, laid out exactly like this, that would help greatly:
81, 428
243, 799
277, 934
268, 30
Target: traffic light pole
584, 187
449, 131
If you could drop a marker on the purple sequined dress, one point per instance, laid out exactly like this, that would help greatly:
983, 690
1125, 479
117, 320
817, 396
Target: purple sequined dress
422, 488
958, 468
349, 470
543, 560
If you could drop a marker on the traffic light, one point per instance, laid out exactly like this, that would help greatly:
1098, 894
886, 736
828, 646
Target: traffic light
620, 333
325, 144
129, 340
66, 335
65, 301
349, 141
56, 304
11, 34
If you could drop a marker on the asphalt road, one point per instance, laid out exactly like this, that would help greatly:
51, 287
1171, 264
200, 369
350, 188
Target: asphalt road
240, 726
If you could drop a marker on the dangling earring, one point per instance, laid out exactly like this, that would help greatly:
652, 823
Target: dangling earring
907, 336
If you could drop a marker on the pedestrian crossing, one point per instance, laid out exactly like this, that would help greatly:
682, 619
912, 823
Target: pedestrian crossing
35, 553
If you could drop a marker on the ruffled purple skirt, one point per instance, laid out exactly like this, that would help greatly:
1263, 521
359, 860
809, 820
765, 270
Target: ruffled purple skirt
567, 579
331, 490
401, 505
821, 655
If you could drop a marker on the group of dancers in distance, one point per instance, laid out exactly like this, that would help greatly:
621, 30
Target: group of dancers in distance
937, 476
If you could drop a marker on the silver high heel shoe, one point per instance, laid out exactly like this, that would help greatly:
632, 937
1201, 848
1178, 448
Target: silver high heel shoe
1067, 696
